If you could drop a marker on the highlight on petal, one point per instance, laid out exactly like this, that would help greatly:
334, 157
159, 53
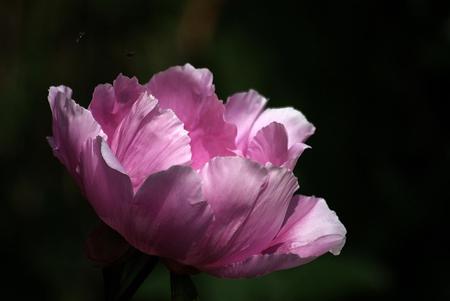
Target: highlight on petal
104, 182
149, 140
111, 103
72, 127
242, 109
269, 145
294, 153
298, 128
183, 89
189, 92
231, 199
168, 215
258, 265
249, 203
310, 230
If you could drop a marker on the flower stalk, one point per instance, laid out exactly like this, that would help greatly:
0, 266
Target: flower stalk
123, 279
182, 288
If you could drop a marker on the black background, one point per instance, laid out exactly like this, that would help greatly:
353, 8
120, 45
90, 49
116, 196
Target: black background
373, 76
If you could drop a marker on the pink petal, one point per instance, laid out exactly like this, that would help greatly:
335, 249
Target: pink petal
149, 140
269, 145
297, 127
111, 103
258, 265
242, 109
294, 153
72, 127
311, 230
189, 92
104, 182
231, 186
168, 215
249, 203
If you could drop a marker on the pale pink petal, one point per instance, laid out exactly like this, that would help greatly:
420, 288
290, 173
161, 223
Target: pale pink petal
189, 92
168, 215
242, 109
72, 127
249, 202
104, 182
111, 103
149, 140
258, 265
269, 145
294, 153
310, 220
231, 186
297, 127
311, 230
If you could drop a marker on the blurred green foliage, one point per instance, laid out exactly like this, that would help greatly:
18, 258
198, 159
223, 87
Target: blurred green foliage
373, 76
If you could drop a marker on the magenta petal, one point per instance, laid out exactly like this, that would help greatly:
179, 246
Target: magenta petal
249, 204
311, 229
149, 140
269, 145
189, 92
168, 215
104, 182
242, 109
298, 128
111, 103
72, 127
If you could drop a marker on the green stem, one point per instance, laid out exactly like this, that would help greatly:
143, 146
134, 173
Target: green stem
124, 278
111, 278
138, 279
182, 288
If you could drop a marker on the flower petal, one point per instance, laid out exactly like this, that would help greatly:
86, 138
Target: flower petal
269, 145
189, 92
242, 109
168, 215
294, 153
231, 186
297, 127
258, 265
311, 230
111, 103
309, 222
72, 127
249, 202
104, 182
149, 140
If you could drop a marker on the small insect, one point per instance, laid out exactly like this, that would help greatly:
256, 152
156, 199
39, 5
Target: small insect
80, 35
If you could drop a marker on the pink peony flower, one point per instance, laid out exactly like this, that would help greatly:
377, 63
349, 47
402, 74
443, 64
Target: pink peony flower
182, 176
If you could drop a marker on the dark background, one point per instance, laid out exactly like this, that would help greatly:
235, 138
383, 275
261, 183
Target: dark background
373, 76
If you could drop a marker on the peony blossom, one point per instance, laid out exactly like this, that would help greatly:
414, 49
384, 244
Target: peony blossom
200, 183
